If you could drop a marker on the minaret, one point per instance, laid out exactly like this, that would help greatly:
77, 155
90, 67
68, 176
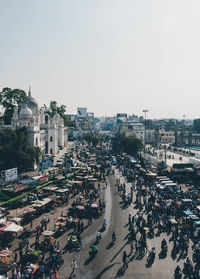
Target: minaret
29, 91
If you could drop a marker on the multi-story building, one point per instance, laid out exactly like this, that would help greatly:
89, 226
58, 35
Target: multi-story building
167, 136
135, 129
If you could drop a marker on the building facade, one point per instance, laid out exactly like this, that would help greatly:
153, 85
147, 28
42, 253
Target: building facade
135, 129
43, 131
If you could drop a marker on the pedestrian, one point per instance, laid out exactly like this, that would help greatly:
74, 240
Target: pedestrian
16, 256
79, 239
133, 219
55, 273
74, 267
89, 220
124, 259
78, 225
136, 247
19, 275
81, 226
75, 227
132, 246
50, 273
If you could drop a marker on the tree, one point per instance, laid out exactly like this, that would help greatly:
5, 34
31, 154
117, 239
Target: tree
9, 98
196, 125
15, 150
131, 145
91, 138
54, 108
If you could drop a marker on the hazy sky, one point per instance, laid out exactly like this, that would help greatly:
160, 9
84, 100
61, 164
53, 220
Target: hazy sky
107, 55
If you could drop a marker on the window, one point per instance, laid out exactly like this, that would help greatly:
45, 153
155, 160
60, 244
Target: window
51, 151
36, 141
46, 119
51, 138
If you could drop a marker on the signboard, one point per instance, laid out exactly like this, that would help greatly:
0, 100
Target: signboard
44, 178
121, 117
11, 175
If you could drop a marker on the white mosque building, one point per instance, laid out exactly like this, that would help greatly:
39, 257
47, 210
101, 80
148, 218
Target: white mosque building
43, 131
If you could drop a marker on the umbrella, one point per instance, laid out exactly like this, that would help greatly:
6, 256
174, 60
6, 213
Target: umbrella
79, 207
52, 239
60, 224
6, 260
94, 205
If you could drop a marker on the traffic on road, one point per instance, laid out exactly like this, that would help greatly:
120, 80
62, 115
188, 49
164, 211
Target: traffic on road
105, 217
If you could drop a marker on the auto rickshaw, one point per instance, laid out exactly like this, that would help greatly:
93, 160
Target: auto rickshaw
73, 243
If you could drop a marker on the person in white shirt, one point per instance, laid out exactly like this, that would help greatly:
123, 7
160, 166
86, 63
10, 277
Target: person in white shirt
18, 275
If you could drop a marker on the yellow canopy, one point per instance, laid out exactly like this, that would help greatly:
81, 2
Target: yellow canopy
59, 224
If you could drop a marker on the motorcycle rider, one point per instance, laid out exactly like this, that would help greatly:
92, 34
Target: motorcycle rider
177, 272
152, 254
98, 235
94, 249
163, 244
113, 236
129, 218
188, 267
104, 223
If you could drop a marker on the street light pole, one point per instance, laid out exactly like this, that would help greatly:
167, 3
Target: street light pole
145, 115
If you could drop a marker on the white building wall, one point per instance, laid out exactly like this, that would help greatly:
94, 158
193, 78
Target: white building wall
52, 141
61, 137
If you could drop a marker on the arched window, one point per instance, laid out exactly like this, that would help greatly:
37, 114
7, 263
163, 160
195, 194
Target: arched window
46, 119
51, 151
51, 138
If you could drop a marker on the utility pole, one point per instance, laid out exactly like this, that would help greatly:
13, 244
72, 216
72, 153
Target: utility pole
145, 117
184, 119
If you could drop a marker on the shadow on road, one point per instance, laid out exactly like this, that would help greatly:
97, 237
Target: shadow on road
105, 270
88, 260
110, 245
118, 252
121, 271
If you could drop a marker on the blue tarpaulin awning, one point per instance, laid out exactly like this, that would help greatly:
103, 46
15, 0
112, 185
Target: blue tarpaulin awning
188, 212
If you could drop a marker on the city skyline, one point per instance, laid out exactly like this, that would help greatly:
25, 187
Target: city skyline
108, 56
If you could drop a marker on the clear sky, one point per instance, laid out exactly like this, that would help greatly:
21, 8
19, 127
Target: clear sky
107, 55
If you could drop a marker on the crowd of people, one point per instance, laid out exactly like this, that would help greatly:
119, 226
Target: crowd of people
159, 212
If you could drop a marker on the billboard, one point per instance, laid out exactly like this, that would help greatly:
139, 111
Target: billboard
11, 175
82, 112
121, 117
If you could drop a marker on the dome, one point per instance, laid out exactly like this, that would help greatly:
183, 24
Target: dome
31, 102
25, 112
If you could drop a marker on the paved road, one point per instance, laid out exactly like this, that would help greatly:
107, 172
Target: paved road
108, 262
